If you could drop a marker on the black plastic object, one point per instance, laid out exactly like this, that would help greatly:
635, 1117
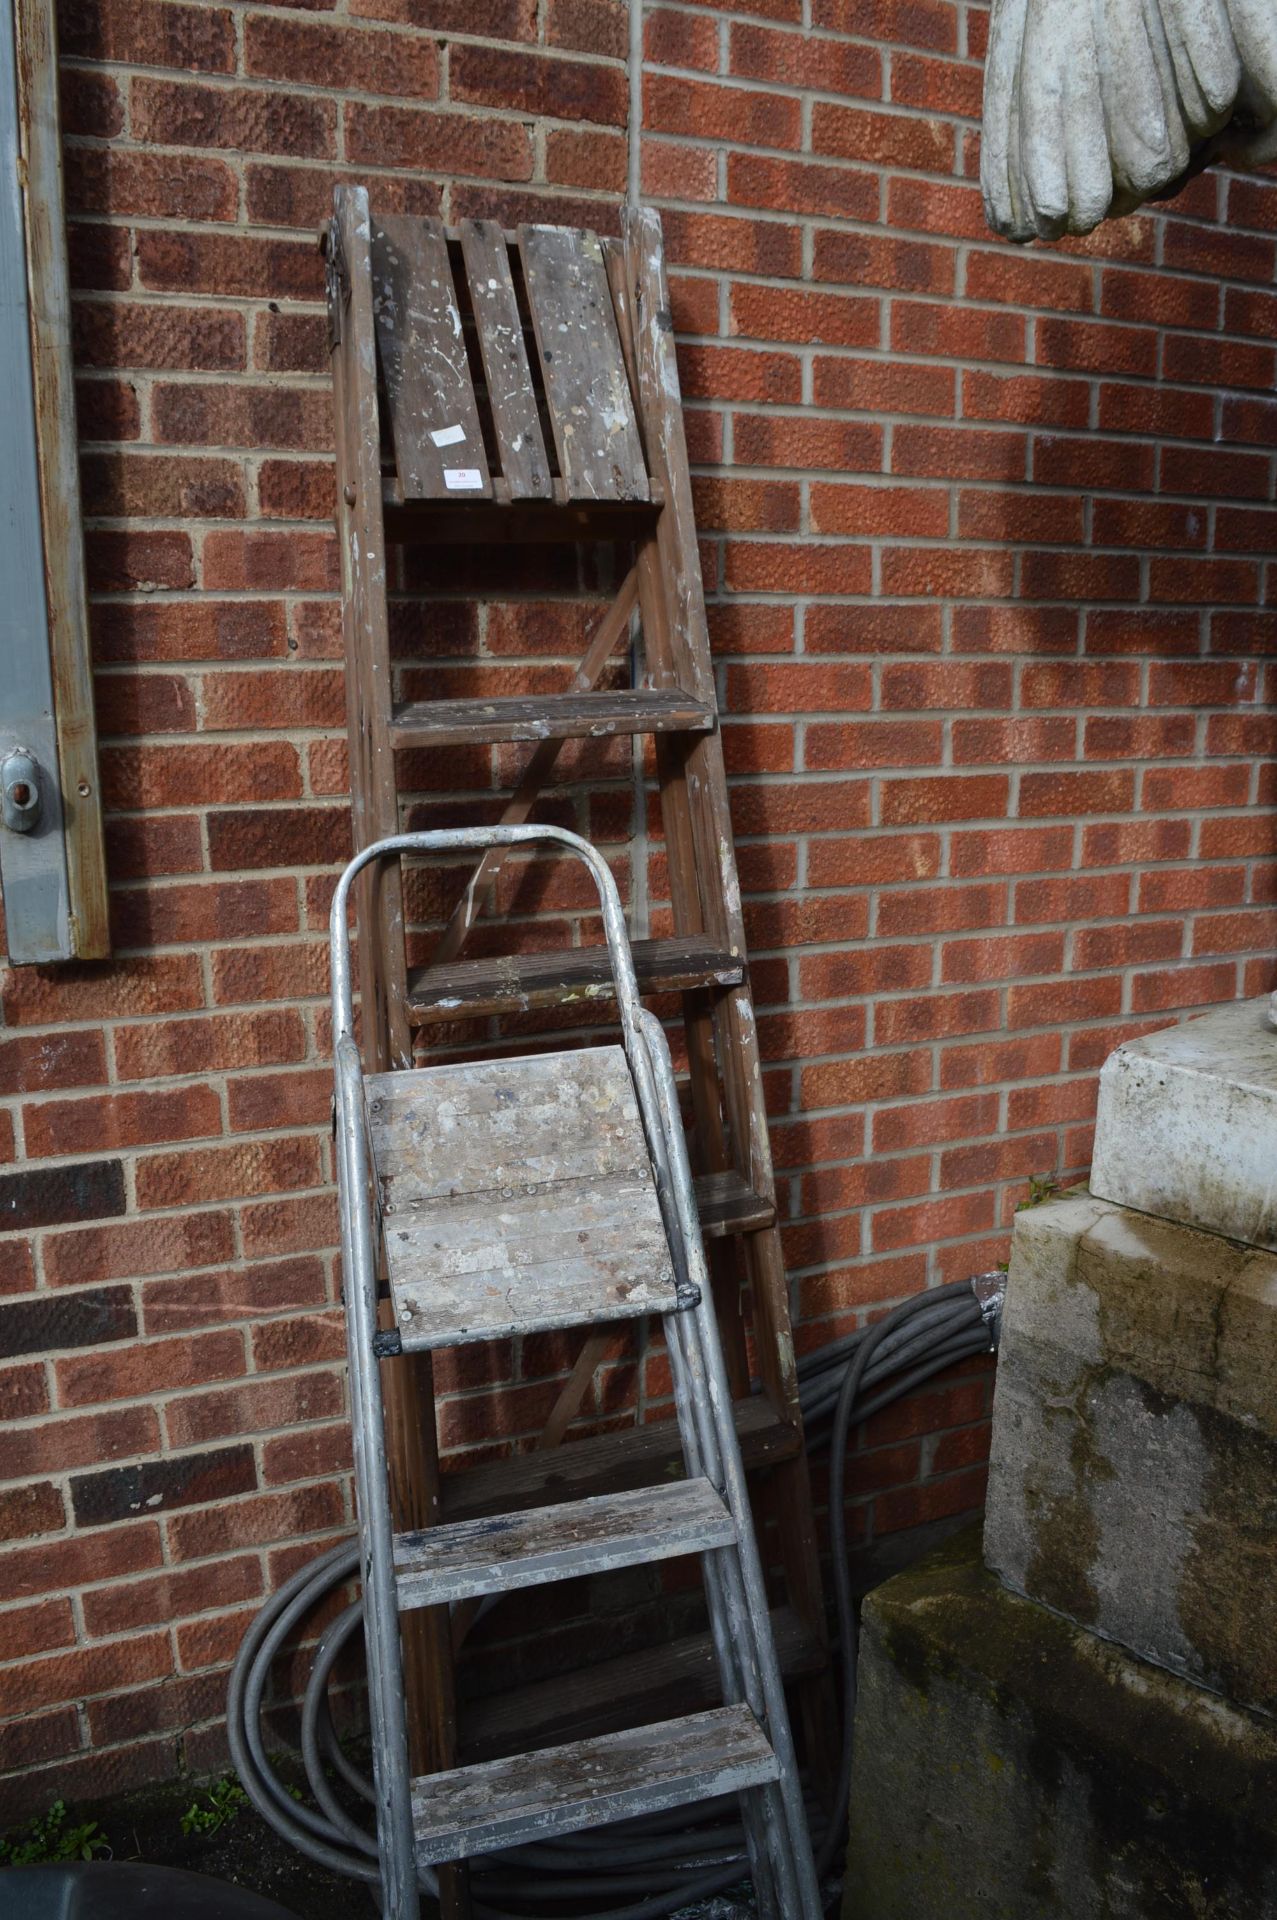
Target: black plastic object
105, 1890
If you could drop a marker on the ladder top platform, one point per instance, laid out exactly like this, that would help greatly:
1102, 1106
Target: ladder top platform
501, 366
516, 1195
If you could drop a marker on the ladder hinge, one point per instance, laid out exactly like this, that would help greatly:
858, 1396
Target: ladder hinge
686, 1296
387, 1343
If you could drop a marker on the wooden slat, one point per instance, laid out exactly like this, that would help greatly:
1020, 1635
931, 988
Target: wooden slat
524, 465
728, 1204
514, 983
586, 388
500, 522
438, 441
634, 1457
509, 1550
551, 716
516, 1195
643, 1684
509, 1803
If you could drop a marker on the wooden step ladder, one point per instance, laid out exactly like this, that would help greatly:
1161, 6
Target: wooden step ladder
495, 389
509, 1195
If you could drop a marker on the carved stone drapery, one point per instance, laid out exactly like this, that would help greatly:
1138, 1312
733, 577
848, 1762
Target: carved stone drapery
1092, 107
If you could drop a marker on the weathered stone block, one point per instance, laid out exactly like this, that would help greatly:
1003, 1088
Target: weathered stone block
1134, 1464
1010, 1766
1187, 1124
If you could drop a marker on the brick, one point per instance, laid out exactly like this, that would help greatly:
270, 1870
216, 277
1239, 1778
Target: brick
589, 26
235, 1293
315, 54
672, 38
799, 186
120, 1120
161, 486
235, 1171
945, 86
771, 439
1023, 280
269, 416
585, 159
768, 313
245, 1523
1083, 346
98, 257
918, 23
711, 111
50, 1323
520, 82
119, 562
886, 139
270, 562
762, 566
876, 743
50, 1062
156, 776
491, 19
243, 119
209, 630
56, 1446
157, 1486
879, 628
943, 797
102, 1668
956, 333
104, 180
90, 103
410, 137
26, 1512
148, 33
797, 60
882, 386
46, 1196
229, 265
149, 1368
137, 1247
24, 1391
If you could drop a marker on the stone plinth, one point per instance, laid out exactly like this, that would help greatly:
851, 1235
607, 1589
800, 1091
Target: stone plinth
1134, 1465
1187, 1124
1010, 1766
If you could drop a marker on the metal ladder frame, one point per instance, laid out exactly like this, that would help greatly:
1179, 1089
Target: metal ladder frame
776, 1830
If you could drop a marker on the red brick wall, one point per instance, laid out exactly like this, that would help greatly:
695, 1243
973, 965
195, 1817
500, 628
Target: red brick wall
986, 536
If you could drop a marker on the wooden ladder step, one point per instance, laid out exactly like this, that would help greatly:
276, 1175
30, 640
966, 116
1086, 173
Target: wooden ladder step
516, 983
606, 1462
644, 1683
530, 1796
553, 716
516, 1196
728, 1204
509, 1550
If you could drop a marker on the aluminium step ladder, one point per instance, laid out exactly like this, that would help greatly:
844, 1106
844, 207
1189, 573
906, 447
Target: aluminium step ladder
508, 1195
499, 391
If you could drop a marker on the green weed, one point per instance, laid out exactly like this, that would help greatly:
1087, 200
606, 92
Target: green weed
46, 1839
225, 1798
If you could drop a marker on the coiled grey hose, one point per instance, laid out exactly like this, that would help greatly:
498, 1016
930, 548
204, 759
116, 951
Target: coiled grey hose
672, 1859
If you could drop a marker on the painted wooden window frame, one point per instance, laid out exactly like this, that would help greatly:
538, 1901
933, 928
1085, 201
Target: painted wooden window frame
51, 855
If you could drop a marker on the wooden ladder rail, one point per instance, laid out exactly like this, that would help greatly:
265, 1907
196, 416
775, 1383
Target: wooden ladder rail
722, 1042
722, 1046
408, 1382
